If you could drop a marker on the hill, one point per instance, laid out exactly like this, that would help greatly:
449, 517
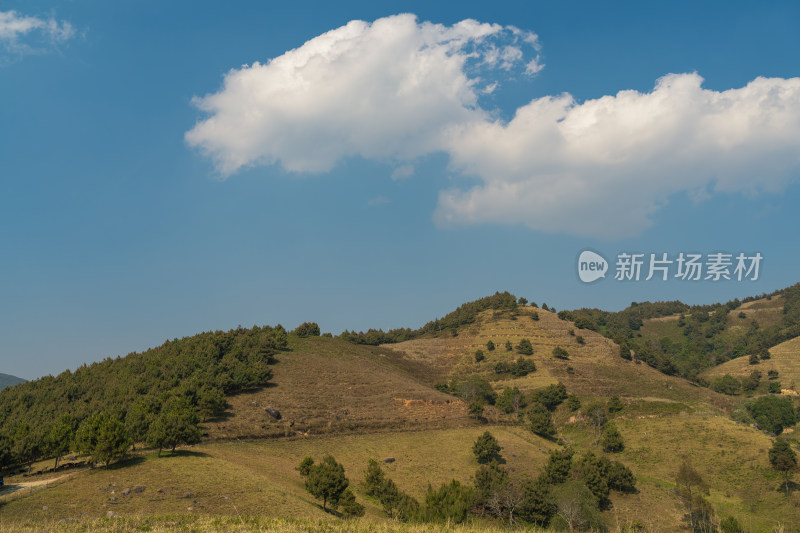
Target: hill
400, 396
7, 380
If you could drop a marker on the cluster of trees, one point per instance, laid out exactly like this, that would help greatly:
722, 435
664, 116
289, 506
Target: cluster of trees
464, 315
731, 385
39, 418
706, 338
519, 368
568, 492
105, 436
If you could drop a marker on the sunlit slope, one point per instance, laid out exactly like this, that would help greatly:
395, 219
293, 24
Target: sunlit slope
785, 358
594, 368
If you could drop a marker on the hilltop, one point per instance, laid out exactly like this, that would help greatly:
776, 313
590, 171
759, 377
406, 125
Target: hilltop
7, 380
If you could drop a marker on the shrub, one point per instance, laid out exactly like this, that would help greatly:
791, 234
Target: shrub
612, 439
541, 423
560, 353
479, 356
490, 346
524, 347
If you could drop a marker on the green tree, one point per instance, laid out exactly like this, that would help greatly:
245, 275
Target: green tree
104, 437
486, 449
784, 460
560, 353
537, 506
60, 437
476, 409
138, 419
551, 396
730, 525
558, 466
726, 384
326, 481
450, 503
524, 347
511, 400
523, 301
573, 402
772, 413
612, 439
348, 505
307, 329
541, 423
577, 507
509, 346
305, 466
490, 346
177, 423
479, 356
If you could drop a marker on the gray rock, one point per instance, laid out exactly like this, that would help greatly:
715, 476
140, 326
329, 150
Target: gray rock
138, 489
273, 413
111, 514
389, 460
125, 492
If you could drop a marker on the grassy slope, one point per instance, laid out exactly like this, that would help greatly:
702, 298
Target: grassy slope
785, 358
597, 368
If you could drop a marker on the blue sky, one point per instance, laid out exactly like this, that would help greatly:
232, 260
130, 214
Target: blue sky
143, 197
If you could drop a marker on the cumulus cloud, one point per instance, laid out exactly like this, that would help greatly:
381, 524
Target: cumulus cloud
397, 89
604, 166
20, 33
386, 89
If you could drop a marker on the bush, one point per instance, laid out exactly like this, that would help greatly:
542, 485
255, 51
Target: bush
726, 384
524, 347
579, 340
753, 359
551, 396
509, 346
535, 315
612, 439
775, 387
772, 413
558, 466
479, 356
348, 505
450, 503
573, 402
307, 329
541, 423
490, 346
615, 405
560, 353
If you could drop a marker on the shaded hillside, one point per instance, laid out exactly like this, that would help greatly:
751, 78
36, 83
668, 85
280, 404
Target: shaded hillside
201, 368
7, 380
327, 385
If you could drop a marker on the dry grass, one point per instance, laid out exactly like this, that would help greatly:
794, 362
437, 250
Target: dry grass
785, 358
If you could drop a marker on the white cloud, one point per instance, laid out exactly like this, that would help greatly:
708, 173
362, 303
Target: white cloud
397, 89
20, 33
403, 172
378, 200
603, 167
385, 89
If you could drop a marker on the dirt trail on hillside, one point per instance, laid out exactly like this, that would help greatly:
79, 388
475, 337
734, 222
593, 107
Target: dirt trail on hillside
12, 488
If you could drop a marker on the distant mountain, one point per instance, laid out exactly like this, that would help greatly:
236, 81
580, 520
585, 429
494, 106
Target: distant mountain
7, 380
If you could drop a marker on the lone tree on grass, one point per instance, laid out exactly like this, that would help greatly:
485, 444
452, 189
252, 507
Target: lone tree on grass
541, 423
784, 460
486, 449
524, 347
325, 481
612, 439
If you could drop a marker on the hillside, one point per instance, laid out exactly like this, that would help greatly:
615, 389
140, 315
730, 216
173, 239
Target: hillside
402, 400
784, 359
7, 380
